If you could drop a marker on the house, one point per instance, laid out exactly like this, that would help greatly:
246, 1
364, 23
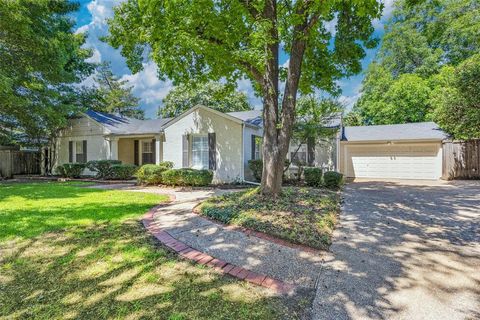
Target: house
399, 151
200, 138
204, 138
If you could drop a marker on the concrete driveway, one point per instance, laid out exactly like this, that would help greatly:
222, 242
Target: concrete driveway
404, 250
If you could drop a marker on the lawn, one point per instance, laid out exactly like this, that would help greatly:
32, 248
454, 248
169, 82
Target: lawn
304, 216
67, 251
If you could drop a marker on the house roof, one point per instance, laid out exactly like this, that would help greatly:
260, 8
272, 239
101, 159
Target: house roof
124, 125
253, 117
407, 131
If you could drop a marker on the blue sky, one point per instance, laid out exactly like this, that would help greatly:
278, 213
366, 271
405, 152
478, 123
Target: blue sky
92, 17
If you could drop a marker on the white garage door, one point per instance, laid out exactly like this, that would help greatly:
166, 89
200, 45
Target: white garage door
394, 161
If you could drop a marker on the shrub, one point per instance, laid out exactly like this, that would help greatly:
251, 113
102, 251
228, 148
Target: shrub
313, 176
332, 179
150, 173
122, 171
256, 166
166, 164
187, 177
71, 170
102, 167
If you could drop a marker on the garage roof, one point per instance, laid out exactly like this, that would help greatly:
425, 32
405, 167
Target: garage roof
407, 131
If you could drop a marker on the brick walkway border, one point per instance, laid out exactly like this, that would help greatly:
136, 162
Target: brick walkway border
202, 258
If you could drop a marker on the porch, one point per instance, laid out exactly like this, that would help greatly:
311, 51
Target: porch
137, 150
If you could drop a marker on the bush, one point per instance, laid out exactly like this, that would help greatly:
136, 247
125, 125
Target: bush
166, 164
102, 167
256, 166
332, 179
150, 173
313, 176
71, 170
122, 171
187, 177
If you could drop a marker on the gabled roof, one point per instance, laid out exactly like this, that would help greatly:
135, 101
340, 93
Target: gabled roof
123, 125
253, 117
199, 106
407, 131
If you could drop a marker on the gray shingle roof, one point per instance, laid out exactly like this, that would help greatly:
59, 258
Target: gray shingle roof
123, 125
253, 117
407, 131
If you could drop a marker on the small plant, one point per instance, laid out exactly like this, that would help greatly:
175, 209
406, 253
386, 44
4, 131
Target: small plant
151, 173
313, 176
122, 171
71, 170
166, 164
187, 177
102, 167
256, 166
332, 179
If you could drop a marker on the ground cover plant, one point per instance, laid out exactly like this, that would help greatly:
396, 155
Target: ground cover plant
300, 215
68, 251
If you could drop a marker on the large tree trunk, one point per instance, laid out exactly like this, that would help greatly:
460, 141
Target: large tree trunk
278, 124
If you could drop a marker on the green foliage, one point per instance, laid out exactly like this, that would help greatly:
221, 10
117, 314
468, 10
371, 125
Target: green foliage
313, 176
151, 173
166, 164
122, 171
256, 166
112, 95
71, 170
457, 99
187, 177
422, 38
332, 179
299, 215
102, 167
212, 94
40, 58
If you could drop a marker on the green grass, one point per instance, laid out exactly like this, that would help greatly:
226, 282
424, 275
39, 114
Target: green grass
300, 215
67, 251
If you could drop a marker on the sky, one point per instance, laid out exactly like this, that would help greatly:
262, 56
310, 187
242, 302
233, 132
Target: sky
91, 18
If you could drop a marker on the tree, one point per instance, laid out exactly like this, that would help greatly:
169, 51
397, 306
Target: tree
232, 39
110, 94
212, 94
421, 38
457, 99
40, 58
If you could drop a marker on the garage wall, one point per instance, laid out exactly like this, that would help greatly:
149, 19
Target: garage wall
407, 160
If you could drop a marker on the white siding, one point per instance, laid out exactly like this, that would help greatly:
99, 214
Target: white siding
83, 129
228, 140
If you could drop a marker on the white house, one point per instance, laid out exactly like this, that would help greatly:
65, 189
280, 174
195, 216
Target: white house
200, 138
204, 138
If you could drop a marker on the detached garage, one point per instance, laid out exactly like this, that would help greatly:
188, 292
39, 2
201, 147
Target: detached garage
403, 151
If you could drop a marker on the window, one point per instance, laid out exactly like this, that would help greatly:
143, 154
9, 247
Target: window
147, 152
200, 152
258, 148
80, 151
301, 157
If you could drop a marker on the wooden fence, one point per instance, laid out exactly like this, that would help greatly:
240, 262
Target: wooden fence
14, 162
461, 159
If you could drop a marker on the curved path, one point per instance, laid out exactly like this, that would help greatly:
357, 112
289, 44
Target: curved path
176, 226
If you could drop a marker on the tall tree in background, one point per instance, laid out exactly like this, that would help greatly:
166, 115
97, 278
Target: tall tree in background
212, 94
40, 58
232, 39
112, 95
422, 37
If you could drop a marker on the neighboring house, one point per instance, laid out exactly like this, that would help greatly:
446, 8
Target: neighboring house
201, 138
399, 151
204, 138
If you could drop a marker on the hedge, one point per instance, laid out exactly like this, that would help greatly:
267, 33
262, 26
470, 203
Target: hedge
332, 179
122, 171
71, 170
256, 166
151, 173
187, 177
102, 167
313, 176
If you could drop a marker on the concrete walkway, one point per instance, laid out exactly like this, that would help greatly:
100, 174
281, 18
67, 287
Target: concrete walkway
404, 250
290, 265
